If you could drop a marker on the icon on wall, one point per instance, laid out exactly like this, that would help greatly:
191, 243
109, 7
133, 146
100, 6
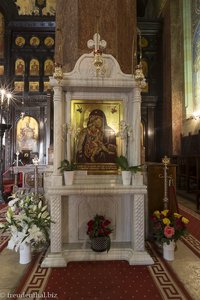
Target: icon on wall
49, 41
34, 41
33, 86
1, 70
34, 67
19, 67
143, 43
40, 3
46, 86
27, 134
48, 67
19, 86
20, 41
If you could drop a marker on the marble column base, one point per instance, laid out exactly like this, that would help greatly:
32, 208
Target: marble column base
118, 251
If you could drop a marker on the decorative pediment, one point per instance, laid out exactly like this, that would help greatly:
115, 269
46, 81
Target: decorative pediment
85, 68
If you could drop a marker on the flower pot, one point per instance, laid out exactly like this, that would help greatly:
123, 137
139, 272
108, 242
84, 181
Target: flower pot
168, 251
25, 253
100, 244
69, 177
126, 177
137, 179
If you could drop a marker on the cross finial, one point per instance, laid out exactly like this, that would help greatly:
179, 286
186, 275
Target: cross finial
96, 43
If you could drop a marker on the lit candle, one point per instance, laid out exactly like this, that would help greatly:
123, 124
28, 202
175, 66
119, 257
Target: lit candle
2, 91
9, 96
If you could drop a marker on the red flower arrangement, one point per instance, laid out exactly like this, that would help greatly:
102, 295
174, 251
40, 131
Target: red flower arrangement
168, 226
98, 227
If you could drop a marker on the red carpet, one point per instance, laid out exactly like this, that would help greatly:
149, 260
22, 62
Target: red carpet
112, 280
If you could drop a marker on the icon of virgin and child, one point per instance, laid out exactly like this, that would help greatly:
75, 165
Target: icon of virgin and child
97, 141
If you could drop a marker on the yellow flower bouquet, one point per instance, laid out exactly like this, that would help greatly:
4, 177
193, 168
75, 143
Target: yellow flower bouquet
168, 226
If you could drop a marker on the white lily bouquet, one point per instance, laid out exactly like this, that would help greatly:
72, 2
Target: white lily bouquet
27, 220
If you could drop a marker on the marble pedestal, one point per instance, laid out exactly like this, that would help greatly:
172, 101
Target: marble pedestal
71, 208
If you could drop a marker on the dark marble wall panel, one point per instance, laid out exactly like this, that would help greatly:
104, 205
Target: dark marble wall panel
66, 45
77, 22
177, 76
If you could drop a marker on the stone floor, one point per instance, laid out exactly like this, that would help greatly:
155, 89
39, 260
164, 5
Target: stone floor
10, 272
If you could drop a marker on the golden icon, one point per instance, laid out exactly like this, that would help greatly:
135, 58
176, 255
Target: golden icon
34, 41
49, 41
20, 41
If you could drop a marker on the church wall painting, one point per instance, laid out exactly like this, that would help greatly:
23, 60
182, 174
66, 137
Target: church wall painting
196, 69
19, 67
49, 42
34, 86
1, 70
34, 41
48, 67
95, 125
19, 86
34, 67
27, 134
20, 41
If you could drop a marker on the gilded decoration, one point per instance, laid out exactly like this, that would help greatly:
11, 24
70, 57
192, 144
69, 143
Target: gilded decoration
34, 67
34, 41
48, 67
29, 7
1, 70
49, 41
19, 86
19, 67
95, 128
27, 134
33, 86
46, 86
20, 41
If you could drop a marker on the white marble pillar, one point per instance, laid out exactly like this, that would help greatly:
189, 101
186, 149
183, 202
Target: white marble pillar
56, 230
138, 237
68, 118
134, 150
57, 142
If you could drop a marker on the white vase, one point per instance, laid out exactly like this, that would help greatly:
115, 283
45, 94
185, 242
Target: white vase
126, 177
137, 179
168, 250
25, 253
69, 177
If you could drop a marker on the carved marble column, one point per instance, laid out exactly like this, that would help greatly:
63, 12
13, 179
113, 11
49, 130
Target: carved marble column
138, 223
58, 144
56, 230
135, 116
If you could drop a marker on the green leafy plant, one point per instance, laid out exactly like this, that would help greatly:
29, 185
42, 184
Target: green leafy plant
168, 226
122, 162
99, 226
65, 165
